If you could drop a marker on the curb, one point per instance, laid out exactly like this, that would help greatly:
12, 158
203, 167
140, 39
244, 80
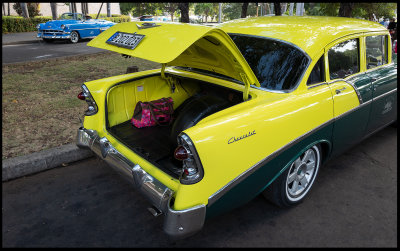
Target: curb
40, 161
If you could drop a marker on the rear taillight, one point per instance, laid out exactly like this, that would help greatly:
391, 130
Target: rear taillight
181, 153
192, 170
81, 96
85, 95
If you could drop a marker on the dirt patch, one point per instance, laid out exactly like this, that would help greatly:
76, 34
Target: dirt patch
40, 109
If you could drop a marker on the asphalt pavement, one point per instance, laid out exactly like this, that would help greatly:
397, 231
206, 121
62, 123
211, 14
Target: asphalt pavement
25, 47
353, 203
20, 38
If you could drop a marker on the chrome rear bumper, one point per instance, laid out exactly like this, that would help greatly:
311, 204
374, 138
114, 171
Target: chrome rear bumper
177, 224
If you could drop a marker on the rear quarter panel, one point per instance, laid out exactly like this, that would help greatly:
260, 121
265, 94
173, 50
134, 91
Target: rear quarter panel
274, 119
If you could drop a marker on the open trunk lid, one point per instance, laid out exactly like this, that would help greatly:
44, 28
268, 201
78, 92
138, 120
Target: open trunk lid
177, 44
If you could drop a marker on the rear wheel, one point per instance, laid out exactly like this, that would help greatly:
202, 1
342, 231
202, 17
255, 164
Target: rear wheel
291, 187
74, 37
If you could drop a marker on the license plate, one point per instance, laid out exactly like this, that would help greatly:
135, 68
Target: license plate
125, 40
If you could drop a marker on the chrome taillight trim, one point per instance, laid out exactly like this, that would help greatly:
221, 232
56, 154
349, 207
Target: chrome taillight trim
192, 154
92, 106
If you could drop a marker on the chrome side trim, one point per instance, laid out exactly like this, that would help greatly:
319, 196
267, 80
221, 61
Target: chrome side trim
316, 85
214, 197
384, 94
353, 110
350, 83
217, 195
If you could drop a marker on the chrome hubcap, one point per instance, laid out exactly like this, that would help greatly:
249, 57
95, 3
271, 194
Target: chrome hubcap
301, 174
74, 37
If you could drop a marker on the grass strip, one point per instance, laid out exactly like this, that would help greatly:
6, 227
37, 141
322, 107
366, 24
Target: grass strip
40, 105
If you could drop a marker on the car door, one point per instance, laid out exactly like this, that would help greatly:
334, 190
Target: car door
90, 28
383, 75
351, 90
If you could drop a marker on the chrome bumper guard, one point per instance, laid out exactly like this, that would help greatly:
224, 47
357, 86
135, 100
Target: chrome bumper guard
177, 224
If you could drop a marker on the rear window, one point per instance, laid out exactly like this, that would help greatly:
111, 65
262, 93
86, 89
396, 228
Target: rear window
277, 65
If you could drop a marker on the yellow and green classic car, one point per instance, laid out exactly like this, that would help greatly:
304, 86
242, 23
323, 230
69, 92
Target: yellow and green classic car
259, 105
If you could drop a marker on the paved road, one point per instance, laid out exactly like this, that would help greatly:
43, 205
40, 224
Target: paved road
41, 50
353, 204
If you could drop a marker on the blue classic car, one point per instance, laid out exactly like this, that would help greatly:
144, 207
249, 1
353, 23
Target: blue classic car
72, 26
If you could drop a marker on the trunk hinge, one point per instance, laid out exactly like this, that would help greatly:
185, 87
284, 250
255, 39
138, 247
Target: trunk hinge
170, 81
246, 86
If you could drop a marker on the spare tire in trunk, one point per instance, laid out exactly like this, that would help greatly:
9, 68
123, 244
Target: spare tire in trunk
195, 110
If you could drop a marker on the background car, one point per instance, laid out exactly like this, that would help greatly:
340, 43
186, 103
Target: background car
72, 26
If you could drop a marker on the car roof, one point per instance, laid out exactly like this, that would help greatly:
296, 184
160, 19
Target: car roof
310, 33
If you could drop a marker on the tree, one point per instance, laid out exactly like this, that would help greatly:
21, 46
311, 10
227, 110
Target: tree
31, 9
203, 10
171, 8
244, 10
360, 10
184, 9
277, 9
345, 9
108, 10
24, 10
53, 7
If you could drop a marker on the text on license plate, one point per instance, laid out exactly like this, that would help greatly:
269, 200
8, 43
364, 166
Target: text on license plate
126, 40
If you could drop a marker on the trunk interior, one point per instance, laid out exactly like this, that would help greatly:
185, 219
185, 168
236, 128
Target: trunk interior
193, 101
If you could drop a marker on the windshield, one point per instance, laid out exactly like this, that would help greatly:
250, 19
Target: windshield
72, 16
277, 65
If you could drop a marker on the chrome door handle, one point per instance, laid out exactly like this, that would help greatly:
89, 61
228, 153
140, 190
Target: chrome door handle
340, 90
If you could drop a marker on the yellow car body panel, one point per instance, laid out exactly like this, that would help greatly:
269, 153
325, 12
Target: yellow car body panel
272, 130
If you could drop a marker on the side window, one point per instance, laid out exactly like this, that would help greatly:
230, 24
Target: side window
376, 49
317, 75
344, 59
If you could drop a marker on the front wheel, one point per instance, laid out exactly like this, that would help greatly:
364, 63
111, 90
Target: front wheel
74, 37
291, 187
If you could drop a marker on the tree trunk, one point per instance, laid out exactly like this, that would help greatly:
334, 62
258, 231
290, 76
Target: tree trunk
108, 10
84, 8
346, 9
24, 9
4, 9
257, 10
244, 10
184, 8
8, 9
277, 9
53, 7
99, 11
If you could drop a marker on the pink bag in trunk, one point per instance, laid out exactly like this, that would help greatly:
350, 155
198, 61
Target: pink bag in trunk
156, 112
